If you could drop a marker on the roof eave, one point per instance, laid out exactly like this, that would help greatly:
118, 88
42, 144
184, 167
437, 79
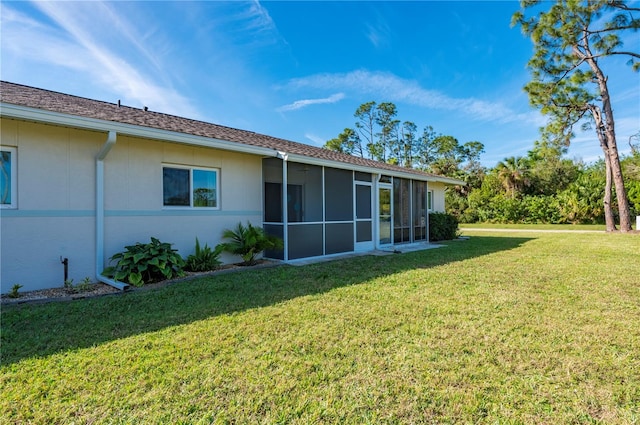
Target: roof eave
373, 170
75, 121
50, 117
449, 181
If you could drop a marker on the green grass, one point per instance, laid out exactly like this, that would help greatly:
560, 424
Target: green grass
502, 328
534, 226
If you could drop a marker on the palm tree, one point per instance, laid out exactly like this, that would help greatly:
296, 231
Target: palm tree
513, 172
249, 241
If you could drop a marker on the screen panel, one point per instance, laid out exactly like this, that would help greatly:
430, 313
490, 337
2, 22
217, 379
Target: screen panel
305, 183
363, 231
338, 194
339, 237
276, 230
363, 202
305, 240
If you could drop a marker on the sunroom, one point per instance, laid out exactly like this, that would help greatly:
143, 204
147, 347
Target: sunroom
328, 210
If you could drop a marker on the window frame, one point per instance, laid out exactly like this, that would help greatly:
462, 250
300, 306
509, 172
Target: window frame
191, 205
429, 200
13, 178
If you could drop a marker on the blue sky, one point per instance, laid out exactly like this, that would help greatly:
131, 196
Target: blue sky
299, 70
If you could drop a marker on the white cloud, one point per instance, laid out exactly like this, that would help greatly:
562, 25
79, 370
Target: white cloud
259, 19
378, 34
88, 38
389, 87
317, 141
248, 24
299, 104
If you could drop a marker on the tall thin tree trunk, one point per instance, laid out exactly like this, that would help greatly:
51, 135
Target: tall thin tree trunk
609, 218
608, 129
621, 192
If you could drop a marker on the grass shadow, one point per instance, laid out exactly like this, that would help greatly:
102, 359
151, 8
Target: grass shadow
45, 329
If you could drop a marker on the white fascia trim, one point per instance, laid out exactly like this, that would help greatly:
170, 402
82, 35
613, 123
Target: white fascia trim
347, 166
448, 180
49, 117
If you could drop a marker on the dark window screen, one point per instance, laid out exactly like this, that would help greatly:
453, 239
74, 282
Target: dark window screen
277, 231
339, 237
338, 189
363, 177
305, 240
363, 231
363, 201
273, 202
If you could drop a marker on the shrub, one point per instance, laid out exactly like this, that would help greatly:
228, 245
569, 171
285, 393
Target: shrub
248, 242
83, 286
541, 209
14, 293
146, 263
203, 259
442, 227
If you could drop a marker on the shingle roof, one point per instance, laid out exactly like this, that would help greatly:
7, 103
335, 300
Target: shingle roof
17, 94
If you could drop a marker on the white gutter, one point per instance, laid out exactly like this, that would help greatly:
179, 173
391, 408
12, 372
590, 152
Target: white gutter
373, 170
111, 140
49, 117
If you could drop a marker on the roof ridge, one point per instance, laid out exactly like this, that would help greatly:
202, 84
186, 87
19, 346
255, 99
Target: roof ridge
57, 92
92, 108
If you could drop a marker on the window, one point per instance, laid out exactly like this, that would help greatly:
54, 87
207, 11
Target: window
430, 200
190, 187
8, 182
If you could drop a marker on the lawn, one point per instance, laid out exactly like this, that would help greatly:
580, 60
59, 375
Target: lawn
562, 227
501, 328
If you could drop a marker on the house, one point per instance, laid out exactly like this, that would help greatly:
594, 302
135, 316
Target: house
83, 178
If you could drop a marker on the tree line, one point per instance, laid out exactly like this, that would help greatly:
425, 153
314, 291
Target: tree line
569, 85
544, 187
380, 136
541, 187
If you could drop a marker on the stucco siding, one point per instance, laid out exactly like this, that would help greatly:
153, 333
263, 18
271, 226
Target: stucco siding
55, 216
133, 195
52, 171
438, 195
32, 248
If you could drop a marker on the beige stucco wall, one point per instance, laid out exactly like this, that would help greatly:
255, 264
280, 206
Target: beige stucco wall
55, 218
438, 196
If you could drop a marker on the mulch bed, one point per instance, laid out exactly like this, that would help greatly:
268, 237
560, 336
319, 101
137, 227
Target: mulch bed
101, 289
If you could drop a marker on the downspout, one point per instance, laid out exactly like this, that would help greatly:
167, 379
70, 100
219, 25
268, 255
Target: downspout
111, 140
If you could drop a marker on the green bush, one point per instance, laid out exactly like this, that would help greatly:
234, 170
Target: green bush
14, 293
633, 193
541, 209
248, 242
146, 263
442, 227
83, 286
203, 259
